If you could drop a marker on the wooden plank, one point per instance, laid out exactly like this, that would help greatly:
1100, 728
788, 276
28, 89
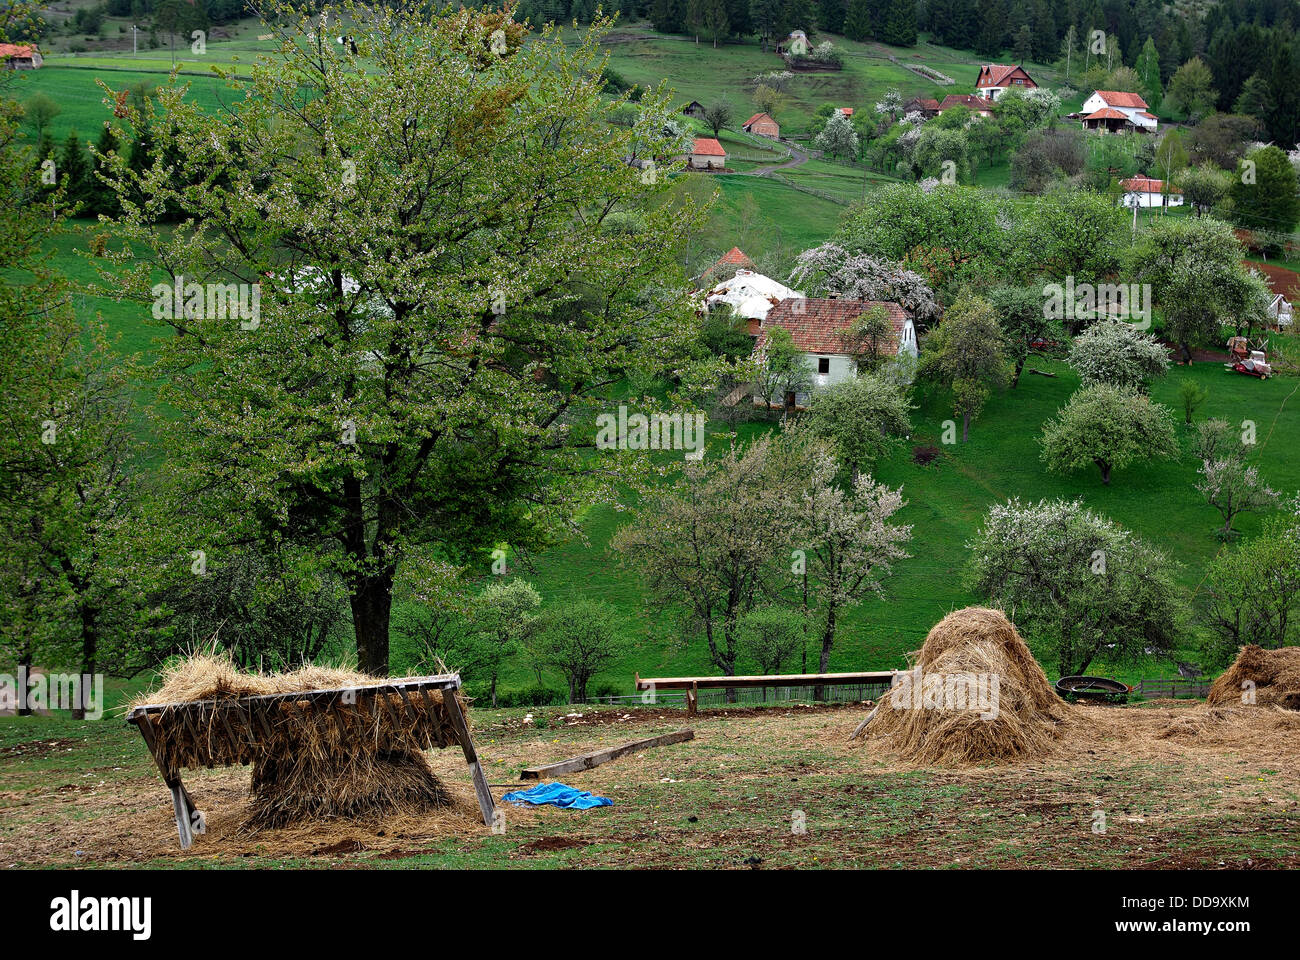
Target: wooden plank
776, 680
486, 805
182, 811
595, 758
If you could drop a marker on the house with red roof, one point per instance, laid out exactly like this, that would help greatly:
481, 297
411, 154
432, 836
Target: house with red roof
20, 56
971, 102
1114, 111
821, 331
762, 125
995, 79
925, 106
707, 154
1145, 192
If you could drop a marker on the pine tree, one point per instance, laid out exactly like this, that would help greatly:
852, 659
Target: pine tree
857, 20
1282, 118
899, 29
104, 198
74, 167
1148, 71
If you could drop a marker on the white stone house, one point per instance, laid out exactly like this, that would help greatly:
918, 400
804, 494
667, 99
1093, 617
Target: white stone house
820, 331
1111, 109
1144, 192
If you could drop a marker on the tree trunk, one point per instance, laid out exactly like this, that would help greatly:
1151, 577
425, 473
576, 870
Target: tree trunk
494, 691
1105, 472
1020, 366
828, 638
965, 426
372, 600
89, 649
24, 705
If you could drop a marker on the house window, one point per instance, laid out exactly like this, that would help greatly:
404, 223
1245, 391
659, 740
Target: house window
823, 364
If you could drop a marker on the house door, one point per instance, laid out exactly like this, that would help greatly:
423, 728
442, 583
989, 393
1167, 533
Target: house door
789, 400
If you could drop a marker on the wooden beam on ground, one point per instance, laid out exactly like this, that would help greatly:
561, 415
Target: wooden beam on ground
596, 757
775, 680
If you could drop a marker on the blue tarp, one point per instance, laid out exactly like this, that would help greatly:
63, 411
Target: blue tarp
557, 795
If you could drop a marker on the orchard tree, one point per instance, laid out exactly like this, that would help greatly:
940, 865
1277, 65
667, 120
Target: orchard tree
946, 232
503, 616
770, 636
456, 267
707, 544
1204, 187
1197, 279
966, 354
783, 369
1107, 427
1118, 353
718, 116
1233, 487
838, 137
1019, 312
862, 418
831, 270
578, 639
1078, 583
849, 541
1251, 593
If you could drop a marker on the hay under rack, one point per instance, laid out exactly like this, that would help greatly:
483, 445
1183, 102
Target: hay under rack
351, 750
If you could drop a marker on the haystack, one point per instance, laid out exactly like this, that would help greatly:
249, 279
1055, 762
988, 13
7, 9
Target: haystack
309, 761
931, 717
1275, 675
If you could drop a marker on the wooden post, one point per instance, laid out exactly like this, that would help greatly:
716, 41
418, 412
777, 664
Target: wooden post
485, 804
692, 698
182, 811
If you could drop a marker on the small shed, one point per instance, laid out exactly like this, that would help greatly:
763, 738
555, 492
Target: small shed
762, 125
708, 154
694, 109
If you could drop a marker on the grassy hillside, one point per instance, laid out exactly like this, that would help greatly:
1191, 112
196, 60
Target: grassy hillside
946, 501
772, 217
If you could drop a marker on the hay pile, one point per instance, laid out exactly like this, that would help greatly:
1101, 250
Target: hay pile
984, 643
1275, 674
355, 760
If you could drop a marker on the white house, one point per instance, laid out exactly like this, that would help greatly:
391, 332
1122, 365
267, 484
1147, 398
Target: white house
750, 295
1111, 110
1144, 192
820, 331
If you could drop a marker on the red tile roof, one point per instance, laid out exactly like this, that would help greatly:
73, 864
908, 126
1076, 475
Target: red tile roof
847, 111
708, 147
818, 326
997, 72
964, 100
1114, 98
736, 256
755, 118
1146, 185
1106, 113
22, 50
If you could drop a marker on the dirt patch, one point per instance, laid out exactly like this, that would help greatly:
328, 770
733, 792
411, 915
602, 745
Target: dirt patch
39, 748
548, 844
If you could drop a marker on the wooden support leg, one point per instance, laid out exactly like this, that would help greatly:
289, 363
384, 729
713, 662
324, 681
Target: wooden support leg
182, 810
692, 700
485, 805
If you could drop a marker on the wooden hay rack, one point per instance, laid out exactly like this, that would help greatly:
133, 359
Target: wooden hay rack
227, 731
